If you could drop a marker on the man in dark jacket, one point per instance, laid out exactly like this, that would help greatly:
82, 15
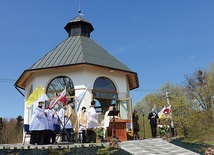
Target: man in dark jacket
153, 122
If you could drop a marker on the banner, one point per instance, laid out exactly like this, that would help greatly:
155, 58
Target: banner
36, 96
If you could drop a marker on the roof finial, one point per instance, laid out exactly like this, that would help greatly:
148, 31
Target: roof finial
79, 11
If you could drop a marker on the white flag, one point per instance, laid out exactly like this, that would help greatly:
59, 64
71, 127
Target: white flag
160, 114
80, 98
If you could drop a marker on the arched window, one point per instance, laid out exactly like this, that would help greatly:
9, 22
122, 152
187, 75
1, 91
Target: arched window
104, 93
58, 84
104, 88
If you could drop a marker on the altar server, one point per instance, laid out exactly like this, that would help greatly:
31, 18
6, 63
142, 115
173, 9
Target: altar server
38, 125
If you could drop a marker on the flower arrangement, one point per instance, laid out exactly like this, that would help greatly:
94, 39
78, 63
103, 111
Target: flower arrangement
99, 129
164, 129
164, 125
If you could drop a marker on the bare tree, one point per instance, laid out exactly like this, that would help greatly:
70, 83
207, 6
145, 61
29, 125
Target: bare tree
199, 90
11, 131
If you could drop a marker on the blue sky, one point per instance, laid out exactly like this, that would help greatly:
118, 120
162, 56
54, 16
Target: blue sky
160, 40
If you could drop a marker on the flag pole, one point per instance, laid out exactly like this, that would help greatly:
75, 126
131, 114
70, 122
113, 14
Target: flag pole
168, 104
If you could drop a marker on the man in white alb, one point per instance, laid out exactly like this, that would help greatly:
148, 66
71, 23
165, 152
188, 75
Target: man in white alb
92, 122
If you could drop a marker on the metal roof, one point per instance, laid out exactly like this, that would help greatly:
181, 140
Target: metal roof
76, 20
79, 50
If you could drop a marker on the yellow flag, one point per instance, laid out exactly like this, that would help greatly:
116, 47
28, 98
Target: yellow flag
35, 95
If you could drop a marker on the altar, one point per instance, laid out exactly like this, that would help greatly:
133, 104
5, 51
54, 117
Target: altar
120, 128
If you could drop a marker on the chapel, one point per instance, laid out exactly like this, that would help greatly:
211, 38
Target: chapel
79, 63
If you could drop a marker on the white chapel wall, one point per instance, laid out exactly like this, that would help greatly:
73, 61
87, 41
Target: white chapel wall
81, 77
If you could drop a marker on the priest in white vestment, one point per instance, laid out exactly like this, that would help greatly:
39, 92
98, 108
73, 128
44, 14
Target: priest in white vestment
92, 123
106, 122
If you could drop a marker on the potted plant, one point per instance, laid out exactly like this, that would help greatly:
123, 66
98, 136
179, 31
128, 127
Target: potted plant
99, 134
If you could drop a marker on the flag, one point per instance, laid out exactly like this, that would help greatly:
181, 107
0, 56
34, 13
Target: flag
80, 98
164, 111
36, 96
161, 113
59, 98
167, 110
63, 100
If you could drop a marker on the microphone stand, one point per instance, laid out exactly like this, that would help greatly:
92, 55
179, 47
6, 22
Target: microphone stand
144, 130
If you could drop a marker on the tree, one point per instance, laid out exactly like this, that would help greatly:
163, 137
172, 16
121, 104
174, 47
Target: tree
11, 131
189, 121
19, 125
144, 108
1, 128
192, 106
199, 88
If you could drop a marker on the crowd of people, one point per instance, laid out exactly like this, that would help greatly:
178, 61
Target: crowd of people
44, 120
